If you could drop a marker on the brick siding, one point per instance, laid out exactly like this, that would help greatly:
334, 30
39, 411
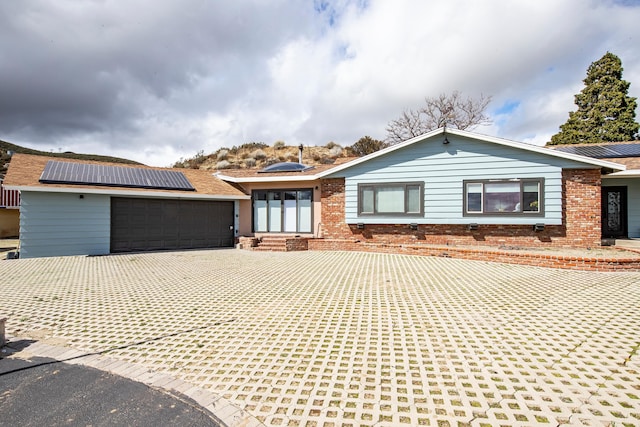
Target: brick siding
580, 227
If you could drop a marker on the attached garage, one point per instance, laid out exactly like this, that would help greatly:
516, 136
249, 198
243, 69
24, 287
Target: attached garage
158, 224
72, 207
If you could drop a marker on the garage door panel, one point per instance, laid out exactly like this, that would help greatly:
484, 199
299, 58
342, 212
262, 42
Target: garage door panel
156, 224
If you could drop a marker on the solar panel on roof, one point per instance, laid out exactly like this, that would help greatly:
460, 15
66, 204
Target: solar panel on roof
595, 151
56, 172
626, 150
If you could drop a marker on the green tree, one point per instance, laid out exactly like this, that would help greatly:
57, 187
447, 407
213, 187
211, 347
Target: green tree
367, 145
605, 111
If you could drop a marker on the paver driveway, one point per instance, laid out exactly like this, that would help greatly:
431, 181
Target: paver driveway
334, 338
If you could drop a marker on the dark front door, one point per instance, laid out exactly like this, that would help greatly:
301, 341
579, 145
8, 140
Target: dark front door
614, 212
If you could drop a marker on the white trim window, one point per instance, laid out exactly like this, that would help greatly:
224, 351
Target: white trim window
283, 211
504, 197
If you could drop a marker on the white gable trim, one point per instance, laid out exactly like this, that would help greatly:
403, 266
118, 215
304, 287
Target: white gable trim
280, 178
630, 173
494, 140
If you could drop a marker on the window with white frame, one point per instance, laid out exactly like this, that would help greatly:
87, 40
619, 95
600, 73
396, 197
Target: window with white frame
391, 199
504, 197
283, 211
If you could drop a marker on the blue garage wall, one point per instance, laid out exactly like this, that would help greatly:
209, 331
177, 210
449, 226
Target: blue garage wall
443, 167
58, 224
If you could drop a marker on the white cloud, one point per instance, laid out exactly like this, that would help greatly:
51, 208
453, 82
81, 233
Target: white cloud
159, 81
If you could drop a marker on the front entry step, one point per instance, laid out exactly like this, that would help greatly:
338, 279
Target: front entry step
281, 244
272, 244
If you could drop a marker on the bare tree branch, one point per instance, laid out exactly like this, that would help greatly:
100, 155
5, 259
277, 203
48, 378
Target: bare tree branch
451, 110
408, 125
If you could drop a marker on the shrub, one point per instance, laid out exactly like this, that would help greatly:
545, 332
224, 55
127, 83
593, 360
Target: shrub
249, 146
330, 145
278, 145
327, 160
223, 164
259, 154
367, 145
250, 162
223, 154
335, 151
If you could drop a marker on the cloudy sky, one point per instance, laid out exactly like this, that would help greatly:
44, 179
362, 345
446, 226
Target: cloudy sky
155, 81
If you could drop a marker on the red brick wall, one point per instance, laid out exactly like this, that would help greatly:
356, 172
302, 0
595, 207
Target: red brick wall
582, 212
581, 221
332, 209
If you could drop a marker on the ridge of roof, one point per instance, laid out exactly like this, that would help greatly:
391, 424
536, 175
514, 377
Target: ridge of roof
486, 138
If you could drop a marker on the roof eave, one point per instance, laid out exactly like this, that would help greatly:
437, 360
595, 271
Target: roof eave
629, 173
249, 179
129, 193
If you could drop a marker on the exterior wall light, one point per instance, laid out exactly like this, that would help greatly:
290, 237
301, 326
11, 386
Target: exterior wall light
473, 226
360, 225
413, 226
538, 227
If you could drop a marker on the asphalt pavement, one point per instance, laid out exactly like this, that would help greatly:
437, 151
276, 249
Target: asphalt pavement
39, 391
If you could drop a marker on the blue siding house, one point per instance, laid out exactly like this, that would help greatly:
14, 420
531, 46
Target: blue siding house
457, 187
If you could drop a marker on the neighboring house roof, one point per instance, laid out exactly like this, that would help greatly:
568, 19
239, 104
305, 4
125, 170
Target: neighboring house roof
624, 153
25, 171
610, 166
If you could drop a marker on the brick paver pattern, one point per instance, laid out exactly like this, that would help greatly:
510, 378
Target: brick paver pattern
335, 338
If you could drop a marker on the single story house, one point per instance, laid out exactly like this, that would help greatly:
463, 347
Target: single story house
446, 187
71, 207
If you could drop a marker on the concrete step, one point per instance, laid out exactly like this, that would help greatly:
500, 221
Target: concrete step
274, 244
270, 248
627, 243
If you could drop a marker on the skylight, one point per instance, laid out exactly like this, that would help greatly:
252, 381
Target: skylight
285, 167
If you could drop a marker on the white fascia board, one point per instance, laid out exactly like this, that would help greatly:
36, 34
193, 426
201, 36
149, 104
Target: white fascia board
240, 180
541, 150
471, 135
125, 193
630, 173
379, 153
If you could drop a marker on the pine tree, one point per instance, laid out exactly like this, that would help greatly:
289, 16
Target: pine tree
605, 111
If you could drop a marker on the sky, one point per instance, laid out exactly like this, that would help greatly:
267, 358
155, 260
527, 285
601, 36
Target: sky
157, 81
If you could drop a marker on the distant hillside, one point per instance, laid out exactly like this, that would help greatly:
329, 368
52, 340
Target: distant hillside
256, 155
6, 147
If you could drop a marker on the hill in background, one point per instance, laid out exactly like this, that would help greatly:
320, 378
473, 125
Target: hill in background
6, 148
253, 155
257, 155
